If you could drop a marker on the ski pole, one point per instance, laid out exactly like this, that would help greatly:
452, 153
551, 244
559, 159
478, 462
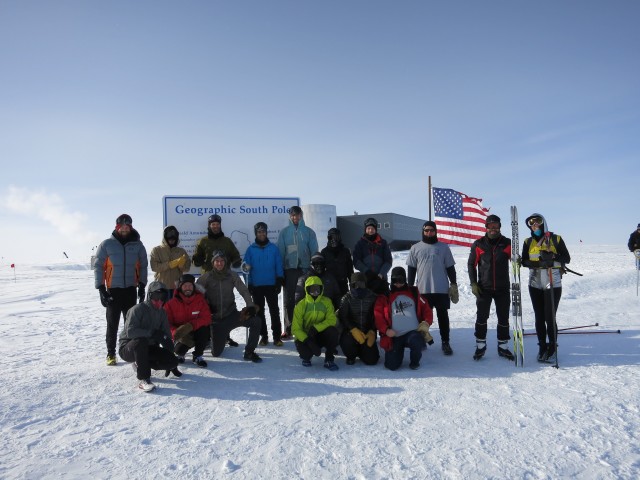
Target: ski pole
581, 332
553, 313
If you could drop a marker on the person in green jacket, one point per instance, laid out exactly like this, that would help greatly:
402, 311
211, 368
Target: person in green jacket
214, 241
314, 325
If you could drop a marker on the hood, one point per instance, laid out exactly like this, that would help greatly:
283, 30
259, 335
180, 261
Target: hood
544, 226
167, 230
300, 223
312, 280
154, 287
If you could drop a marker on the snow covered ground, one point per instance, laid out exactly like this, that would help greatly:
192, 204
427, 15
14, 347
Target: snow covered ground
66, 415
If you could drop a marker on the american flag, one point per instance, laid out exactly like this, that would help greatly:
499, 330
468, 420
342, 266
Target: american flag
459, 218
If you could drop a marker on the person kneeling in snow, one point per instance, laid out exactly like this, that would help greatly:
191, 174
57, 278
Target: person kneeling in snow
189, 319
145, 338
314, 325
403, 319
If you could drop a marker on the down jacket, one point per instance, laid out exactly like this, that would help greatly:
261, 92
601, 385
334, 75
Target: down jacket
121, 263
384, 315
296, 245
182, 310
356, 310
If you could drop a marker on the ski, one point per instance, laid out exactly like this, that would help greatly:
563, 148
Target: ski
516, 294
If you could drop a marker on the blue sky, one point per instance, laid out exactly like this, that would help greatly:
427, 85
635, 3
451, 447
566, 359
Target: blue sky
107, 106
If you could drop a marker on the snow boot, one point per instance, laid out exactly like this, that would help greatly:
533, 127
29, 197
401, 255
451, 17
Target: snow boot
199, 361
542, 352
251, 355
331, 365
503, 350
481, 349
446, 348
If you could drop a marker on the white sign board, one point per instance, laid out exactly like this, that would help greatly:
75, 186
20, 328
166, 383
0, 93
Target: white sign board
239, 214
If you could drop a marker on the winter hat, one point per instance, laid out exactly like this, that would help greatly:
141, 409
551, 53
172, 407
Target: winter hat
358, 280
371, 222
398, 275
186, 278
639, 225
260, 226
429, 223
218, 254
295, 210
123, 219
492, 219
214, 218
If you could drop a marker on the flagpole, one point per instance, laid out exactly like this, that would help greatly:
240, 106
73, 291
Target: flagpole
429, 197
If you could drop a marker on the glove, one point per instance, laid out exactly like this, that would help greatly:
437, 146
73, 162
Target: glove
423, 328
358, 335
312, 332
248, 312
178, 262
310, 342
198, 260
476, 290
245, 267
141, 292
279, 285
105, 297
236, 264
182, 334
453, 293
163, 340
371, 338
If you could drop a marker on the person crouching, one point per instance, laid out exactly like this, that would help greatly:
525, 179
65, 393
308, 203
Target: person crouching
314, 325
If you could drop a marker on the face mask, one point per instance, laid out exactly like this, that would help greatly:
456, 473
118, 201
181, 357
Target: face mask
538, 232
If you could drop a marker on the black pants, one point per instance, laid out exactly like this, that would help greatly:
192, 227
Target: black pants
147, 357
352, 349
220, 330
441, 303
269, 294
200, 341
123, 300
291, 276
413, 340
545, 325
502, 301
327, 339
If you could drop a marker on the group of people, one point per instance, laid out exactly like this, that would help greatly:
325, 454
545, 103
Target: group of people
332, 297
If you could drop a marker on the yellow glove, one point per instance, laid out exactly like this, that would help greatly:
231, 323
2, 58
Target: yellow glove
358, 335
423, 328
371, 338
178, 262
476, 290
453, 293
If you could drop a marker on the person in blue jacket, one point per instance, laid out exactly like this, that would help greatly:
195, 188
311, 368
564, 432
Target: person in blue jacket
263, 263
297, 243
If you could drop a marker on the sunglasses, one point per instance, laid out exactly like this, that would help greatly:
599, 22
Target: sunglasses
429, 230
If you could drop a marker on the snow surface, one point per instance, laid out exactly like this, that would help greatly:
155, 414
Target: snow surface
67, 415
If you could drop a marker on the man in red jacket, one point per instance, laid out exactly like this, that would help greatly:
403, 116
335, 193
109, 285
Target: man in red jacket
189, 320
403, 319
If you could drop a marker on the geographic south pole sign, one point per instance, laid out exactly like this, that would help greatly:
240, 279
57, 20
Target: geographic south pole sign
189, 215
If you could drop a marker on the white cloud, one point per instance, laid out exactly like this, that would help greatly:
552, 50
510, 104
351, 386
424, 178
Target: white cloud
51, 208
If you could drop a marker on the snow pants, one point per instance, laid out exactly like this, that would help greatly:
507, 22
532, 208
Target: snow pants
268, 294
220, 330
441, 303
502, 299
352, 349
327, 339
123, 300
412, 340
545, 325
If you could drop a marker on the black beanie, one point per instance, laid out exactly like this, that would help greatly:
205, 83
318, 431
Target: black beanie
429, 223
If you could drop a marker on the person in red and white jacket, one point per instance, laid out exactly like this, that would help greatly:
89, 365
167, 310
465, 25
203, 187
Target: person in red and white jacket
189, 320
403, 319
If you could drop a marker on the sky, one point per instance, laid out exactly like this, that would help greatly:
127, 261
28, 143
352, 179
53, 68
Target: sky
66, 415
105, 107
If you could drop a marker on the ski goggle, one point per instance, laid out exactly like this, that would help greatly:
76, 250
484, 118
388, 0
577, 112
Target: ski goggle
159, 295
534, 221
314, 290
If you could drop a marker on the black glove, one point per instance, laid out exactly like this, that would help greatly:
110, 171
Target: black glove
141, 292
279, 285
164, 340
546, 259
312, 332
105, 297
251, 312
310, 342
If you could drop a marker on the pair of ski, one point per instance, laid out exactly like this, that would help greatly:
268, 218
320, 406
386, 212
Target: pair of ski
516, 293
